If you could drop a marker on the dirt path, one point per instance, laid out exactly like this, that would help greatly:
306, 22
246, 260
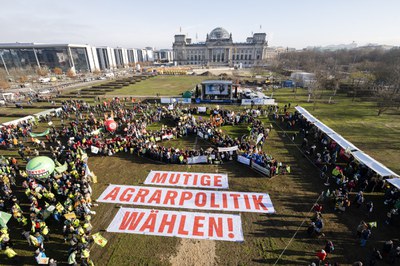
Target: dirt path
194, 252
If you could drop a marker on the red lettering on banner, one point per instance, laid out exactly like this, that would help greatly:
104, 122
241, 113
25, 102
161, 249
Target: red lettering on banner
224, 201
213, 204
213, 227
186, 195
174, 178
258, 202
195, 180
113, 194
205, 180
167, 223
156, 197
181, 229
230, 228
217, 181
247, 201
142, 193
124, 196
197, 224
170, 196
197, 199
235, 200
159, 178
150, 222
131, 220
186, 180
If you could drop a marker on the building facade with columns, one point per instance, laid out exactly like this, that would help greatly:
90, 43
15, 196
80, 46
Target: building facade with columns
220, 50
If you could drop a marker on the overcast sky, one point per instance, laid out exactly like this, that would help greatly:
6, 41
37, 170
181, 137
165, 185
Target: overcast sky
136, 24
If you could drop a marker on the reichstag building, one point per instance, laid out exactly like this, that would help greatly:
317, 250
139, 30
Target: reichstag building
220, 50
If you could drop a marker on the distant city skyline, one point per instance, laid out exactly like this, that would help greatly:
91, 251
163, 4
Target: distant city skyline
124, 23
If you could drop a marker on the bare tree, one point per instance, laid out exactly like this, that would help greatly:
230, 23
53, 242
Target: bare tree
43, 72
4, 85
57, 71
71, 73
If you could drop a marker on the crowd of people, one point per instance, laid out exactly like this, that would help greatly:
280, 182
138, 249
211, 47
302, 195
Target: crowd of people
132, 135
348, 180
64, 198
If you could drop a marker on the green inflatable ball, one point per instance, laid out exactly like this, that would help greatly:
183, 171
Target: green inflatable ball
40, 167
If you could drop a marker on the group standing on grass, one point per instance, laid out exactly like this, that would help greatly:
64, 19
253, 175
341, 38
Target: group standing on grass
349, 178
65, 199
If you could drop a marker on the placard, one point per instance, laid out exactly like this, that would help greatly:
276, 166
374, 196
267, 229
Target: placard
243, 160
94, 149
187, 179
212, 226
197, 159
188, 198
223, 149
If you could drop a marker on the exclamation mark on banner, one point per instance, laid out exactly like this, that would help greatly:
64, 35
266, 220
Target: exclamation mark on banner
230, 228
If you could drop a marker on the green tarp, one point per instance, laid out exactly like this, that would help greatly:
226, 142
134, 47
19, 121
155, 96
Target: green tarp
34, 135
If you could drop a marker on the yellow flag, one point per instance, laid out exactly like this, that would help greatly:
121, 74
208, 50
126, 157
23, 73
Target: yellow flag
99, 240
373, 224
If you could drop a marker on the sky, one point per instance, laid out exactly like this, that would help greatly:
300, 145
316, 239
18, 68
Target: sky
138, 24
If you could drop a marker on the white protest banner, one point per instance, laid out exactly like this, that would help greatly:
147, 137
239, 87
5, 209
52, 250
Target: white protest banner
197, 159
259, 168
165, 100
223, 149
243, 160
212, 226
187, 179
259, 137
201, 109
168, 136
200, 134
94, 149
188, 198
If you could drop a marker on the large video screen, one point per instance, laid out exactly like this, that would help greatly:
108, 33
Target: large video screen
217, 89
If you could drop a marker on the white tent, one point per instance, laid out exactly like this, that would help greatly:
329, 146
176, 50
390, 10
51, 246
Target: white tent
395, 182
343, 142
16, 121
306, 114
324, 128
373, 164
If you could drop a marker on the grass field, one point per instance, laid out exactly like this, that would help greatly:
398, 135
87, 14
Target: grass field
266, 236
164, 85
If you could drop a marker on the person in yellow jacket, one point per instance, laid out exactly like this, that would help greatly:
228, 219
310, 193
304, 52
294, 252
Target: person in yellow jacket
10, 253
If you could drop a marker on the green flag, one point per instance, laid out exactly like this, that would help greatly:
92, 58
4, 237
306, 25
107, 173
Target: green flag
61, 168
373, 224
4, 218
44, 133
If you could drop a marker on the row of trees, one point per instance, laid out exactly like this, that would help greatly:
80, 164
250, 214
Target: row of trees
363, 72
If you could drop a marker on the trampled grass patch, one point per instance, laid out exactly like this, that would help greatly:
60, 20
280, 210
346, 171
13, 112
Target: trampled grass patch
163, 85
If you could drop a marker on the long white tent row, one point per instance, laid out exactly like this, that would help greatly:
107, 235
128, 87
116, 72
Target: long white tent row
360, 156
31, 117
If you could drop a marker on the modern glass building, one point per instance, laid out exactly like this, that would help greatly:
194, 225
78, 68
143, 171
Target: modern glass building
33, 55
80, 58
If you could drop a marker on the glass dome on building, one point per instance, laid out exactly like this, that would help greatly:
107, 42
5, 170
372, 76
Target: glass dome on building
219, 33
